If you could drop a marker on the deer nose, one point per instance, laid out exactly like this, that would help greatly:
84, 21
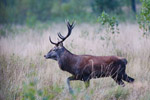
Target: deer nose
45, 56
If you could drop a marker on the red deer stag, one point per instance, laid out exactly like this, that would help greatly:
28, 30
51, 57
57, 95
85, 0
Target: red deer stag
86, 67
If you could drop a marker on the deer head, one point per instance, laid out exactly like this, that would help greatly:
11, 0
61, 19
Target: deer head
58, 49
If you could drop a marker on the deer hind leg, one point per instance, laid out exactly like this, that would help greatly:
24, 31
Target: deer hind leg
118, 80
86, 79
87, 83
127, 78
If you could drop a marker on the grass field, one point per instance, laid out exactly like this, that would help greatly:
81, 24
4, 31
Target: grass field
25, 73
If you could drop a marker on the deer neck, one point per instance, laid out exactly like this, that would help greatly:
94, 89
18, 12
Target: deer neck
67, 61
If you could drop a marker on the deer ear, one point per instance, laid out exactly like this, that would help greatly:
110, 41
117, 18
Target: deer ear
61, 44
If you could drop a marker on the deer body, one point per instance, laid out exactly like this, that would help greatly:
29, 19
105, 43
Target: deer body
86, 67
82, 66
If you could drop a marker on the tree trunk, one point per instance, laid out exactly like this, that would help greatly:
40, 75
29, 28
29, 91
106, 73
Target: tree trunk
133, 5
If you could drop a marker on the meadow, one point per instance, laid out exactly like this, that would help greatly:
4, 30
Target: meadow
26, 75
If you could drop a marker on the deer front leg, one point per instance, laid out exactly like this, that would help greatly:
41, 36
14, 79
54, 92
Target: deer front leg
68, 83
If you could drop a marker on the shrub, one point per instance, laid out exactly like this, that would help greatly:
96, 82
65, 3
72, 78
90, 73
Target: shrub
143, 17
109, 22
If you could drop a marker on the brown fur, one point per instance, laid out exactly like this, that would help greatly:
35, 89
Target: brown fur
85, 67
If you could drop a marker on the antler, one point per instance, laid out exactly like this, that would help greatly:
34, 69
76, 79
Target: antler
52, 41
70, 27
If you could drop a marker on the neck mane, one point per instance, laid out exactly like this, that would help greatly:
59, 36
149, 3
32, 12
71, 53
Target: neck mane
67, 60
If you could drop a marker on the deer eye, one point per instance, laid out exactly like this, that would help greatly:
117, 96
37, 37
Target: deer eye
55, 49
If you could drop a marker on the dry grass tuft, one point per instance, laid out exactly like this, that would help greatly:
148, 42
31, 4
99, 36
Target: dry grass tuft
23, 53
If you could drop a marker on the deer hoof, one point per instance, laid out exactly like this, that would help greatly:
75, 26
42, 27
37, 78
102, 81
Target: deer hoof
71, 91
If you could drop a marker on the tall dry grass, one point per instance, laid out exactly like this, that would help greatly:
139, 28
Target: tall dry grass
23, 53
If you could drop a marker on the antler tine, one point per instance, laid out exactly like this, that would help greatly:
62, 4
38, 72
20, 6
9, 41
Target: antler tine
60, 36
66, 21
52, 41
73, 23
70, 27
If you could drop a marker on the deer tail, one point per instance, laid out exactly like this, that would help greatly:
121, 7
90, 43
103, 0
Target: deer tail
124, 61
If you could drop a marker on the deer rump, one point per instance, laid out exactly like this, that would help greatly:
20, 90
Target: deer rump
102, 66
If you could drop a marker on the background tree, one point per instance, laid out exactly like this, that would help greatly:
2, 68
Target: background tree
32, 11
133, 5
143, 17
106, 5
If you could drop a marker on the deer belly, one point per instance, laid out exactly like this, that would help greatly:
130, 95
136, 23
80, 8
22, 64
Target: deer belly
98, 74
86, 76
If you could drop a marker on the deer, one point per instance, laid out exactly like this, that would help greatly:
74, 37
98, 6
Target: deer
87, 67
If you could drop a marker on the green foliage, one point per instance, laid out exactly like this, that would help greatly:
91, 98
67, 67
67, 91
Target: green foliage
32, 11
110, 22
18, 11
3, 13
72, 10
117, 94
30, 90
144, 17
105, 5
73, 7
31, 19
5, 30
